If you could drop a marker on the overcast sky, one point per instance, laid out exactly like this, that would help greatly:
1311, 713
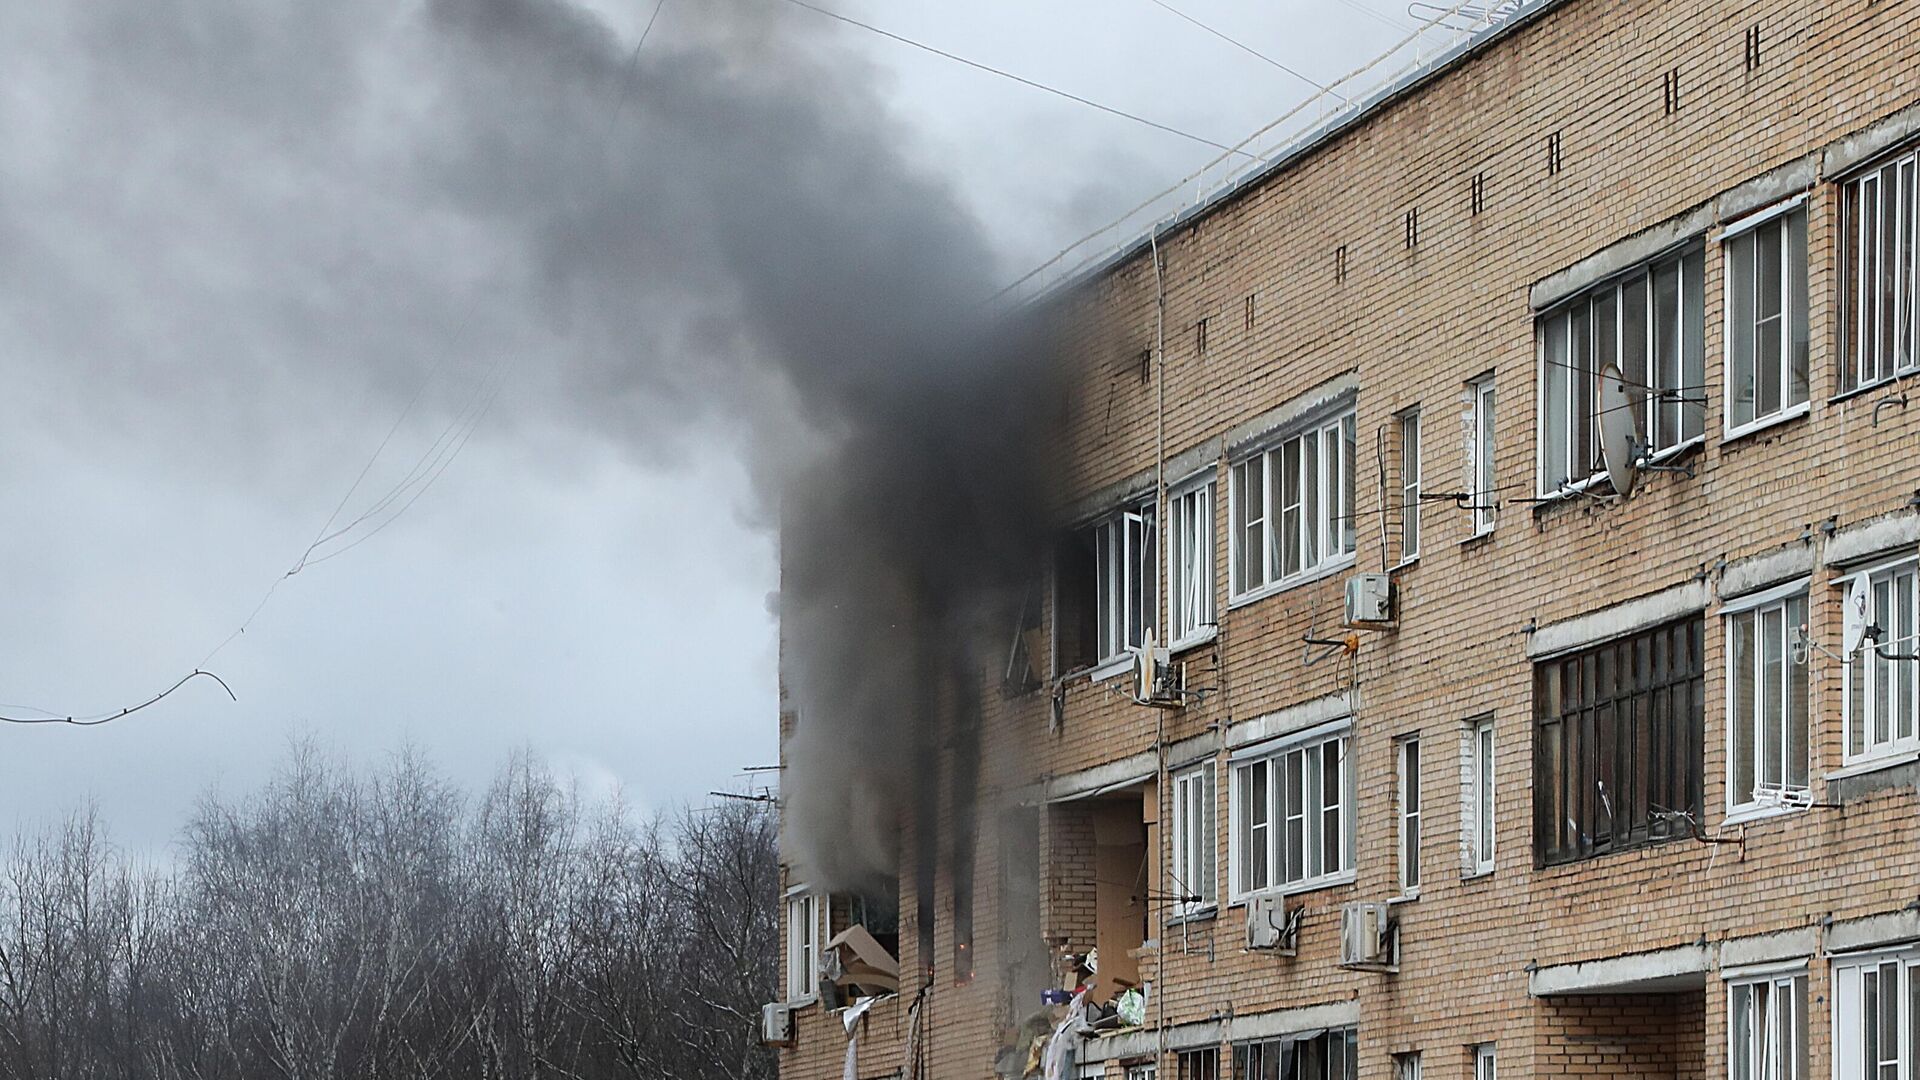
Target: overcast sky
211, 317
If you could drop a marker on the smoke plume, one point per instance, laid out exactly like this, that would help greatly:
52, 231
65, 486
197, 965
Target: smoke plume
723, 233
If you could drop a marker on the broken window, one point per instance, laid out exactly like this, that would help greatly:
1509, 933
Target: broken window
1192, 872
803, 944
1648, 323
1320, 1055
1767, 713
1190, 569
861, 955
1293, 507
1767, 320
1292, 811
1406, 1066
1883, 693
1617, 743
1877, 274
1767, 1028
1106, 589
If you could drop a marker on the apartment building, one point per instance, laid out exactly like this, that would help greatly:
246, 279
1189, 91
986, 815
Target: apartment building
1603, 779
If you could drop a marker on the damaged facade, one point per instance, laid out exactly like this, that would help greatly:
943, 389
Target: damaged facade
1493, 735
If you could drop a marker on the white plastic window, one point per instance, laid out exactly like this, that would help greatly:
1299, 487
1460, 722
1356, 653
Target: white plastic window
1877, 274
1193, 842
803, 945
1293, 816
1409, 795
1293, 507
1767, 1028
1766, 704
1190, 571
1409, 486
1482, 490
1883, 690
1767, 321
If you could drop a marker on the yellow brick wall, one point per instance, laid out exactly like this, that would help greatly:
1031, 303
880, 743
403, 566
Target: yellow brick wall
1413, 326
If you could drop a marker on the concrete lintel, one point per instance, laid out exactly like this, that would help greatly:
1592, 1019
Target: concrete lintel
1110, 497
1621, 619
1682, 967
1132, 769
1192, 750
1873, 931
1145, 1042
1796, 944
1270, 1025
1768, 188
1858, 147
1767, 569
1866, 539
1288, 720
1250, 434
1621, 256
1190, 463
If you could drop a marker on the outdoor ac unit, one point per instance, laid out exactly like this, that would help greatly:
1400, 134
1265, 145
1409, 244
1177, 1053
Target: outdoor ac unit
1272, 926
1157, 681
1368, 937
776, 1024
1369, 600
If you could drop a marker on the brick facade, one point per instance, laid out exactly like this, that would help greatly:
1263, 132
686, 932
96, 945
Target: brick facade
1408, 326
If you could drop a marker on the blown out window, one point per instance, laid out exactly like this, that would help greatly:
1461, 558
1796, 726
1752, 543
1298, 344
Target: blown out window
1617, 743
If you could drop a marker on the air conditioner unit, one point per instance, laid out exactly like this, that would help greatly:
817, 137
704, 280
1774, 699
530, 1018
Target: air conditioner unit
1157, 681
776, 1024
1272, 926
1369, 938
1370, 600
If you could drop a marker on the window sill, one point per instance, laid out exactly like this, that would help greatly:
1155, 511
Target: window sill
1345, 877
1478, 536
1891, 760
1477, 874
1194, 641
1766, 423
1748, 815
1568, 491
804, 1001
1198, 915
1868, 388
1108, 669
1325, 570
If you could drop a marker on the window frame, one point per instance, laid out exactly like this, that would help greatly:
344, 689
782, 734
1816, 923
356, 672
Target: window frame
1273, 758
1846, 987
1406, 1065
1655, 686
1687, 261
1794, 980
1407, 811
1199, 1063
1850, 312
1895, 745
1410, 487
1335, 539
803, 986
1790, 220
1112, 539
1204, 884
1348, 1038
1483, 447
1485, 1062
1781, 600
1481, 796
1184, 524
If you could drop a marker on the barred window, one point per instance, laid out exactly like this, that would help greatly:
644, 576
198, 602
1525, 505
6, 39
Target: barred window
1617, 743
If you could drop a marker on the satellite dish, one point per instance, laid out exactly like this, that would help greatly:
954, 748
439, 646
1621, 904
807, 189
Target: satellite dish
1617, 430
1857, 615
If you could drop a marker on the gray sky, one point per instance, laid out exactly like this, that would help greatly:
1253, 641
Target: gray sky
225, 273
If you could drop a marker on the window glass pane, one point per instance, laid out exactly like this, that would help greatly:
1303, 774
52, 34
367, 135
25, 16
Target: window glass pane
1290, 507
1740, 1031
1693, 363
1743, 341
1311, 484
1904, 644
1887, 301
1868, 324
1740, 653
1666, 352
1486, 497
1345, 521
1634, 350
1850, 284
1796, 307
1555, 421
1583, 444
1294, 837
1798, 749
1484, 780
1250, 530
1410, 486
1332, 840
1773, 681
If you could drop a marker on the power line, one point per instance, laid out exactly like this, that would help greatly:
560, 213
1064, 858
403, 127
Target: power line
1022, 80
1244, 47
101, 718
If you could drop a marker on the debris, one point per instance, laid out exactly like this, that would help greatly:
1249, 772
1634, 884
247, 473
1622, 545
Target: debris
853, 960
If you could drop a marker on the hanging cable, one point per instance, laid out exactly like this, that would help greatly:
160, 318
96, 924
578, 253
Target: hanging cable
1245, 48
1022, 80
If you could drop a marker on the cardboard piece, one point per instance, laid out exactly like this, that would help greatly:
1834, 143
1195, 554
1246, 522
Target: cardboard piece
853, 959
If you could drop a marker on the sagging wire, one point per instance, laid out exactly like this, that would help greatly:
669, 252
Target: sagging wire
107, 717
